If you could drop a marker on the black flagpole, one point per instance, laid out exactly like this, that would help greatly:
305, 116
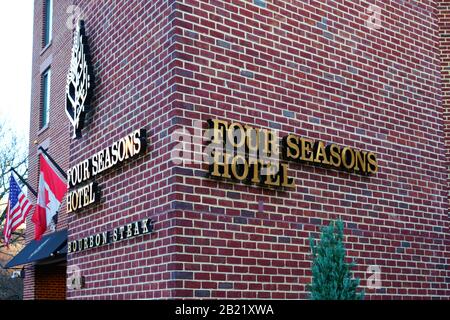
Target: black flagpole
25, 182
64, 174
3, 214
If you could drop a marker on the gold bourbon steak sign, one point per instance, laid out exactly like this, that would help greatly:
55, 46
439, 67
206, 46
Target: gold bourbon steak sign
131, 230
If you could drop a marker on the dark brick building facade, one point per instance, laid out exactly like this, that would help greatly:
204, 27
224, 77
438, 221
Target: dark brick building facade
54, 56
361, 74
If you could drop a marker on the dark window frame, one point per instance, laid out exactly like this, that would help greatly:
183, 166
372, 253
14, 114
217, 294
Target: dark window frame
46, 78
47, 30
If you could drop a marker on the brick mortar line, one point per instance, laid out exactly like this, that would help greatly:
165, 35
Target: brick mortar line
289, 276
323, 204
349, 235
341, 214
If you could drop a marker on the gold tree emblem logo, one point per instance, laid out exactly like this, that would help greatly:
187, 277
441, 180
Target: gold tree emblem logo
79, 81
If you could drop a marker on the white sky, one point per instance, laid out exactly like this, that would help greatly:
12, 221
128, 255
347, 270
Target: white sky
16, 43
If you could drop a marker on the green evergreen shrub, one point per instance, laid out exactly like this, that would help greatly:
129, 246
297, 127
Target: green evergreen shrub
331, 274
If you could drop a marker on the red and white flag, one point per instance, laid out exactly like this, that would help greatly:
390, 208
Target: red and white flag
18, 209
51, 192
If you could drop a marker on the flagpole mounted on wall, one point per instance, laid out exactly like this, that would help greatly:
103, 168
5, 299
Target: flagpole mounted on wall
24, 182
63, 173
52, 187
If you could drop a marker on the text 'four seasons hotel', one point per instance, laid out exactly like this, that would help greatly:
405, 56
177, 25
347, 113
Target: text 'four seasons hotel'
205, 141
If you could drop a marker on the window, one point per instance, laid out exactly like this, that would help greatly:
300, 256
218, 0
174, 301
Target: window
45, 101
48, 22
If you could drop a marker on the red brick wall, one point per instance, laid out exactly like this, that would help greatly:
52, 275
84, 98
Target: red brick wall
50, 283
131, 44
314, 69
55, 137
291, 67
444, 31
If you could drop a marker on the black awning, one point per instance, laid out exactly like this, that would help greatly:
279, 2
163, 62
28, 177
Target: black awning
63, 250
40, 250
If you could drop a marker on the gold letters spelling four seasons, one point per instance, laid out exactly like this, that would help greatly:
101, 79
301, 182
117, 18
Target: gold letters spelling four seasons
236, 152
126, 148
253, 156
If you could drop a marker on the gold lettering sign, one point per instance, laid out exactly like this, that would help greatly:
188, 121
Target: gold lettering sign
138, 228
248, 155
253, 156
304, 150
82, 197
126, 148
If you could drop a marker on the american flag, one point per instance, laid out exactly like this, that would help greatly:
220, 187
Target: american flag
18, 209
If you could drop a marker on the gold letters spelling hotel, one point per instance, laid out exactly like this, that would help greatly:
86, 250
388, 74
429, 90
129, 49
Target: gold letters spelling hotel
250, 155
